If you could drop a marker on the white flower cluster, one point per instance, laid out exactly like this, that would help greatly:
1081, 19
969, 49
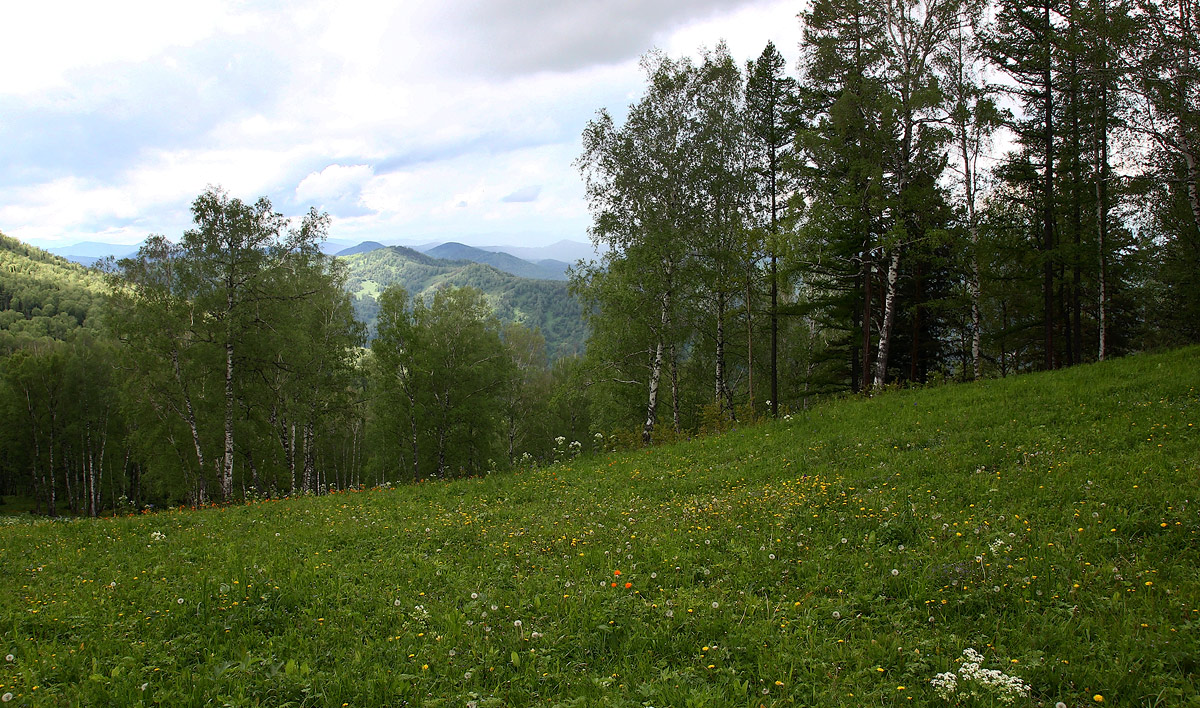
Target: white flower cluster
945, 685
978, 681
157, 536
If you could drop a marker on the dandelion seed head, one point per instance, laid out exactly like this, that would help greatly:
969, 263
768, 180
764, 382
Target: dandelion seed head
895, 572
837, 615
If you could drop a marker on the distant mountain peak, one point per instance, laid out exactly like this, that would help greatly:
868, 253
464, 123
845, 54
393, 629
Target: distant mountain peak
364, 247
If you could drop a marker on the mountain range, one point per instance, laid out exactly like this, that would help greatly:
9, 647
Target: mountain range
541, 262
531, 292
541, 304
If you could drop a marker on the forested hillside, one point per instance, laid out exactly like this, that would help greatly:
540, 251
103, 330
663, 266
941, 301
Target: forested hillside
554, 270
943, 191
227, 364
43, 295
543, 305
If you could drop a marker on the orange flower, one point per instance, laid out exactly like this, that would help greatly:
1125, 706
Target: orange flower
616, 572
628, 585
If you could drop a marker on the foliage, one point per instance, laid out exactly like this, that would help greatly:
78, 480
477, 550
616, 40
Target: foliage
538, 304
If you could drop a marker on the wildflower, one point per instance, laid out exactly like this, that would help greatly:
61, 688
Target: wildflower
1098, 698
715, 605
843, 540
9, 658
474, 596
517, 624
1060, 704
945, 685
396, 603
837, 615
6, 697
628, 585
179, 601
895, 572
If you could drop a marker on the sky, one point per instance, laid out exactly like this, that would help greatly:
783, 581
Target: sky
454, 120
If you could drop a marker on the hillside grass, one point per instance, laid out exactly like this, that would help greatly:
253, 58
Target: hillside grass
844, 557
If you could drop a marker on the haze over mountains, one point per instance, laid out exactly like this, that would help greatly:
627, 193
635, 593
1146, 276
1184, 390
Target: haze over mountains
538, 262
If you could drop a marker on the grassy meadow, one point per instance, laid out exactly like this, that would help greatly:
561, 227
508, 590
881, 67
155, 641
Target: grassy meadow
846, 556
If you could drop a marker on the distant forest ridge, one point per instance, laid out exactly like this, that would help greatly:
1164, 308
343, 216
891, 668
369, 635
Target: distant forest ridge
540, 304
533, 293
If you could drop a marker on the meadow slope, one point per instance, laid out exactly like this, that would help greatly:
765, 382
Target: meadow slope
843, 557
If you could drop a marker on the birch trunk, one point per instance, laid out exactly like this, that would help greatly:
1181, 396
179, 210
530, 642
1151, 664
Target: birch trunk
190, 415
227, 467
889, 317
656, 374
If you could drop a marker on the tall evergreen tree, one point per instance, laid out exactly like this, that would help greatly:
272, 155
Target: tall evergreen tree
1022, 44
770, 98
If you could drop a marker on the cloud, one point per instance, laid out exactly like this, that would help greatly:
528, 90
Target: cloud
524, 194
333, 183
514, 37
414, 119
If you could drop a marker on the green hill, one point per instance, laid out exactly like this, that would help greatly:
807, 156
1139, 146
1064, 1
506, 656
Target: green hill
43, 295
542, 304
549, 270
844, 557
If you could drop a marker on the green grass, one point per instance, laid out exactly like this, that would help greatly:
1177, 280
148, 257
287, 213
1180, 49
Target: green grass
843, 557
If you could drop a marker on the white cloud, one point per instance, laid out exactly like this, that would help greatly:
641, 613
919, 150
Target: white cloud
334, 182
398, 118
49, 40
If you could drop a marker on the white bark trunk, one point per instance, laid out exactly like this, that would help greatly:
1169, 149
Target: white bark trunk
889, 317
